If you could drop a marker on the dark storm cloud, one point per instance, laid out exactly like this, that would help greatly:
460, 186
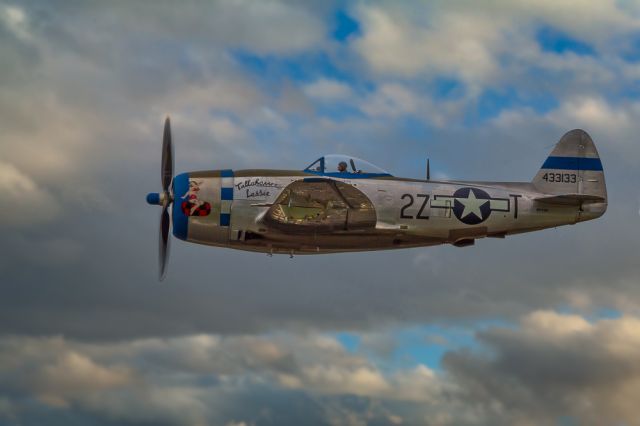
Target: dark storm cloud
82, 149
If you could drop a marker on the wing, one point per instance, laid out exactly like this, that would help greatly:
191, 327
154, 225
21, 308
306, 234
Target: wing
318, 205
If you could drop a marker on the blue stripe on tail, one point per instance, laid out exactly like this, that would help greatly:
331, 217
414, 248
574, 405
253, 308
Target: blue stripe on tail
573, 163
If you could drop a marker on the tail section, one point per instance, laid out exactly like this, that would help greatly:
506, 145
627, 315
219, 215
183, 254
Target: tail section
573, 167
573, 174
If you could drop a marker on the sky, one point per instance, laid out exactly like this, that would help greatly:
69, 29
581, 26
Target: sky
536, 329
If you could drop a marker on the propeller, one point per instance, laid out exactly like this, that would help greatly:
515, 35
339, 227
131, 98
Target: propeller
164, 199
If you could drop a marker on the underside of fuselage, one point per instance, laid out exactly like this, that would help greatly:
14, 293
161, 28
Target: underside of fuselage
297, 244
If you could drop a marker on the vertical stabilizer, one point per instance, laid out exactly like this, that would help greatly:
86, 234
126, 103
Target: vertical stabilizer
574, 167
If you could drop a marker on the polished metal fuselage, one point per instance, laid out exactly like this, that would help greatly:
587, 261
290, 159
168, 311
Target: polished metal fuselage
408, 213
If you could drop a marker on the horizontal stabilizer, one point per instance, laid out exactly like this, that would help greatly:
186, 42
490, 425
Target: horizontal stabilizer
570, 199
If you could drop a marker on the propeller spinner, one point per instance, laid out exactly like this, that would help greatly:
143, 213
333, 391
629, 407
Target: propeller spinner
165, 198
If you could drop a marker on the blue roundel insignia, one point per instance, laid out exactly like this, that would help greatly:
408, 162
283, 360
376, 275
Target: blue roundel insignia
471, 205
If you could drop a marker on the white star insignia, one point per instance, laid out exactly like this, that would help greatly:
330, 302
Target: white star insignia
472, 205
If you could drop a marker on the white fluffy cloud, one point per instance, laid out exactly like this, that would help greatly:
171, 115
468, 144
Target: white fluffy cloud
394, 100
480, 45
554, 366
547, 367
614, 125
393, 43
156, 379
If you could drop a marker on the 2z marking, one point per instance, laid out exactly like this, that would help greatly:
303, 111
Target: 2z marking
406, 206
420, 215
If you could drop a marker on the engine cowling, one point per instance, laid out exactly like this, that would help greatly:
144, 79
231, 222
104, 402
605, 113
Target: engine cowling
202, 206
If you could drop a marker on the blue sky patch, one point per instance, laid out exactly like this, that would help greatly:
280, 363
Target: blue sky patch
350, 341
304, 67
492, 102
448, 88
553, 40
420, 344
345, 26
632, 52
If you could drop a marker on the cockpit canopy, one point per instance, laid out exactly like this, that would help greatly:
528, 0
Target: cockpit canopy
345, 166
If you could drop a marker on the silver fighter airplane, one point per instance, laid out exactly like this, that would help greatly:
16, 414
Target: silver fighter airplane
341, 203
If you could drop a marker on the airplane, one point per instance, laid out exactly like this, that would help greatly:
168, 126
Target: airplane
344, 204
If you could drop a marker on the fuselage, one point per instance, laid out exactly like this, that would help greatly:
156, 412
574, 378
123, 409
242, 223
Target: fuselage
274, 211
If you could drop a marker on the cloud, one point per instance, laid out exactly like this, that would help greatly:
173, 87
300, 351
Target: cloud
265, 28
58, 375
480, 46
25, 201
226, 131
553, 366
236, 337
204, 376
596, 113
71, 98
72, 373
16, 21
327, 90
546, 367
613, 124
393, 100
455, 43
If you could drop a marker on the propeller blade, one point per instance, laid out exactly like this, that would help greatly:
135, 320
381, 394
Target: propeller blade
163, 255
167, 156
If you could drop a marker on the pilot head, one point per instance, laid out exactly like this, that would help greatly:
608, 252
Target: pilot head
342, 167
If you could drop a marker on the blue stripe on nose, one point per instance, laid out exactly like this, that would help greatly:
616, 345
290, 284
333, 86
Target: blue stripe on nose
180, 220
226, 194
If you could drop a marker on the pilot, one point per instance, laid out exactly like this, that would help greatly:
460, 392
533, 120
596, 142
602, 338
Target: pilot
342, 167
